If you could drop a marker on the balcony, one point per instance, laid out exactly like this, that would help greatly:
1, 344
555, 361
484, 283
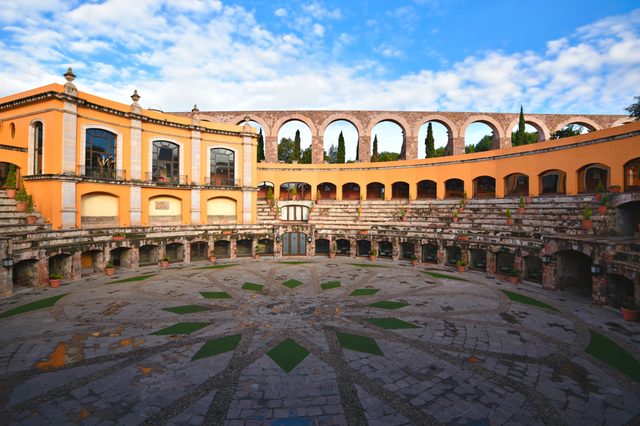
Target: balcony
218, 181
102, 173
167, 180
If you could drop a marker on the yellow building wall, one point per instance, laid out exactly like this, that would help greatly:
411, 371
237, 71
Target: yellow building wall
99, 205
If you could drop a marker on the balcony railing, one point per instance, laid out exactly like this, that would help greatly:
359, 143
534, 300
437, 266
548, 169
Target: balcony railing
104, 173
217, 181
167, 180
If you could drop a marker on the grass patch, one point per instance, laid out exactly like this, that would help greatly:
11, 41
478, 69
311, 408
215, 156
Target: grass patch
391, 323
445, 276
288, 354
608, 351
218, 346
527, 300
293, 262
252, 286
359, 343
33, 306
215, 295
367, 265
218, 266
388, 304
329, 285
364, 292
186, 309
182, 328
292, 283
132, 279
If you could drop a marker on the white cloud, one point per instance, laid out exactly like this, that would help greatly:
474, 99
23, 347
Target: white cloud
318, 11
318, 30
281, 12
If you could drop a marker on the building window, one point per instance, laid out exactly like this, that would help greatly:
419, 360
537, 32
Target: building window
295, 213
100, 158
38, 141
222, 167
166, 162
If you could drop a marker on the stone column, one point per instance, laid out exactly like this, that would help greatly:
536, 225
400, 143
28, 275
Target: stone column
599, 290
134, 258
76, 265
442, 253
271, 148
233, 249
353, 247
68, 195
42, 269
457, 147
364, 148
317, 150
195, 207
491, 264
549, 276
187, 252
69, 126
411, 147
135, 206
395, 250
6, 283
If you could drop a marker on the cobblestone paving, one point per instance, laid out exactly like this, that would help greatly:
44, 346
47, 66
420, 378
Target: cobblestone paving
475, 357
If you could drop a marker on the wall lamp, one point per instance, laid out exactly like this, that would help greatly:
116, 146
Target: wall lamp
546, 259
596, 269
309, 239
277, 238
7, 262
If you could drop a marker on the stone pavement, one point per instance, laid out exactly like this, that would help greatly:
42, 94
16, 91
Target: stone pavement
451, 352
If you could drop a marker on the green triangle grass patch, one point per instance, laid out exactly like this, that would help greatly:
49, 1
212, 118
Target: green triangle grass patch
215, 295
608, 351
226, 265
292, 283
252, 287
132, 279
444, 276
367, 265
33, 306
364, 292
388, 304
182, 328
186, 309
288, 354
218, 346
293, 262
391, 323
527, 300
329, 285
359, 343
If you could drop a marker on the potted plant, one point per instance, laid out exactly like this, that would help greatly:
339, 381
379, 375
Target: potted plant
164, 262
294, 193
521, 205
54, 280
21, 199
373, 255
599, 191
629, 309
359, 214
614, 188
514, 275
464, 196
118, 236
212, 256
403, 214
460, 265
29, 209
414, 260
270, 196
454, 215
277, 213
109, 269
460, 206
332, 250
10, 182
586, 218
509, 218
602, 208
256, 256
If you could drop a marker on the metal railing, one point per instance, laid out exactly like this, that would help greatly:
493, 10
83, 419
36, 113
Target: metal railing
217, 181
103, 173
167, 180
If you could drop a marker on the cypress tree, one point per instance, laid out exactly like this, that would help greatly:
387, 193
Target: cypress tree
374, 157
260, 146
521, 137
358, 150
430, 143
341, 153
296, 147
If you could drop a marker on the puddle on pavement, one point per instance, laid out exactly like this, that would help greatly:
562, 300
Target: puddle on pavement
577, 373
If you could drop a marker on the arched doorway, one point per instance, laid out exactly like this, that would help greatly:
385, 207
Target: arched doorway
628, 218
407, 250
504, 262
593, 178
363, 247
222, 249
326, 191
149, 254
516, 184
294, 244
552, 182
375, 191
430, 253
175, 252
264, 247
427, 189
632, 175
199, 250
343, 247
454, 188
400, 191
453, 254
385, 249
322, 246
484, 187
619, 288
574, 272
478, 259
243, 248
351, 191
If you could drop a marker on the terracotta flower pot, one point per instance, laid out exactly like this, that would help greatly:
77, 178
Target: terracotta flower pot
31, 219
598, 196
118, 238
372, 258
109, 271
614, 189
414, 262
587, 223
602, 210
460, 268
404, 218
629, 314
454, 219
20, 206
514, 280
212, 259
332, 255
521, 210
54, 283
11, 193
164, 263
510, 221
256, 256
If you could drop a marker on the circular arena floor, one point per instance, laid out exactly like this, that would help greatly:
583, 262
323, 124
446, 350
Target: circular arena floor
316, 342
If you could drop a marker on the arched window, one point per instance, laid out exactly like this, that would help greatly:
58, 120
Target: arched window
38, 141
100, 157
166, 162
222, 167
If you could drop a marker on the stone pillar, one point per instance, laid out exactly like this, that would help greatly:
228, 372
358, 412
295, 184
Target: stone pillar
43, 270
456, 147
233, 249
134, 258
549, 276
6, 274
353, 247
196, 160
135, 206
442, 253
69, 126
411, 147
68, 195
317, 150
135, 165
187, 252
464, 255
364, 148
76, 265
491, 264
395, 250
599, 290
195, 207
271, 148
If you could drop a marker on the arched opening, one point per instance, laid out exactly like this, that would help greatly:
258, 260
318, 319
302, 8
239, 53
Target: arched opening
221, 210
264, 247
593, 178
400, 191
573, 272
100, 154
504, 262
332, 134
552, 182
326, 191
363, 247
484, 187
480, 136
430, 253
350, 191
427, 189
442, 136
294, 244
343, 247
385, 249
387, 141
452, 255
165, 210
572, 129
222, 167
4, 172
98, 209
533, 269
532, 134
38, 147
516, 184
295, 191
375, 191
454, 188
322, 246
175, 252
294, 142
222, 249
619, 288
243, 248
149, 255
632, 175
165, 163
478, 259
120, 256
263, 189
199, 250
628, 218
407, 250
89, 261
25, 273
61, 264
294, 213
260, 155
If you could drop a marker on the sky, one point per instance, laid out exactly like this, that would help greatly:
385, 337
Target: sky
433, 55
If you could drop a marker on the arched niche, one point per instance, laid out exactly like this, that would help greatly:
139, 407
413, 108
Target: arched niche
221, 210
98, 209
165, 210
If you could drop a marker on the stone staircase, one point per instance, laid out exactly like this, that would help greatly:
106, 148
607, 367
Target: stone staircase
13, 222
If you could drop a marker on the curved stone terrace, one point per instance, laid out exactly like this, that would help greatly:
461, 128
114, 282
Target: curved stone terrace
313, 341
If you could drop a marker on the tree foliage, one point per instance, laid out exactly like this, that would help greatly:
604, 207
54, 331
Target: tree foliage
521, 133
341, 148
374, 156
332, 156
529, 138
388, 156
429, 142
634, 109
285, 150
306, 156
483, 145
295, 155
260, 146
570, 130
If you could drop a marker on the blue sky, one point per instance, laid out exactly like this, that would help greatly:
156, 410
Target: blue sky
459, 55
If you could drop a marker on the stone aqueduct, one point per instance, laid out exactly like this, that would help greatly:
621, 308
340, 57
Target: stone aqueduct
410, 122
